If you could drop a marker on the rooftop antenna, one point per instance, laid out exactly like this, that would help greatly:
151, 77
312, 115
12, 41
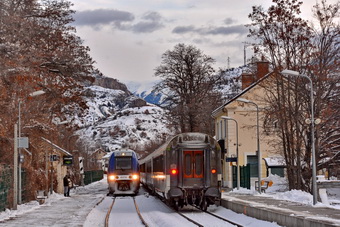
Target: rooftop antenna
245, 45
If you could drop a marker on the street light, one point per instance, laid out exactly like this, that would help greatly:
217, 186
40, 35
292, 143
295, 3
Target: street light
237, 162
294, 73
36, 93
258, 139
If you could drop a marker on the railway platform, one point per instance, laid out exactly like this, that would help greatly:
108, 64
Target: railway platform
284, 213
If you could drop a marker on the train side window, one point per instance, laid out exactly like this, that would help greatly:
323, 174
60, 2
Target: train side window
198, 164
148, 167
158, 164
187, 164
142, 167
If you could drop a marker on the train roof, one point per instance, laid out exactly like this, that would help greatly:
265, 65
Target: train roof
189, 138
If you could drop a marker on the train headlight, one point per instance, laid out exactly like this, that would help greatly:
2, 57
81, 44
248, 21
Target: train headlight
135, 177
112, 177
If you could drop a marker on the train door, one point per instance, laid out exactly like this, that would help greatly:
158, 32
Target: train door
193, 172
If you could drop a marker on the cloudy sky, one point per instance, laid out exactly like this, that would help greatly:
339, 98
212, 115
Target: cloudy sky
128, 37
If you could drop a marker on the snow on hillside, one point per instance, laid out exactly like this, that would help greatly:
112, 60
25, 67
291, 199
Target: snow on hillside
230, 86
115, 120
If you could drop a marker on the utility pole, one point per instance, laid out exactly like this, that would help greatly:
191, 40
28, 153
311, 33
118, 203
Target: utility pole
19, 154
15, 169
245, 45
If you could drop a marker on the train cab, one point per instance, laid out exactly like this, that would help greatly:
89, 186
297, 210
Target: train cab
123, 173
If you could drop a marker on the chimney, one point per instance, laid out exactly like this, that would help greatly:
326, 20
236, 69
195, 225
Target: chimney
247, 80
262, 68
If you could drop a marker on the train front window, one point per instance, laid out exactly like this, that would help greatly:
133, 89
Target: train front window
123, 163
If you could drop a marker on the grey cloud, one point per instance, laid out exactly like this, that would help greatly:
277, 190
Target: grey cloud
152, 22
183, 29
146, 27
102, 17
222, 30
229, 21
237, 29
153, 16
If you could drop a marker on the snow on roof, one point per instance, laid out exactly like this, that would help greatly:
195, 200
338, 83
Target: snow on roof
57, 147
275, 161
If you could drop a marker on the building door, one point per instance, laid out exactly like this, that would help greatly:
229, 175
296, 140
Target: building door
253, 161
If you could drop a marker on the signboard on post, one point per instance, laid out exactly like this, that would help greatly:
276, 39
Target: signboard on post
67, 160
23, 142
231, 159
81, 165
54, 158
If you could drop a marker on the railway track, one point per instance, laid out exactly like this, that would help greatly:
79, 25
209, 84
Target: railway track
186, 214
197, 209
109, 212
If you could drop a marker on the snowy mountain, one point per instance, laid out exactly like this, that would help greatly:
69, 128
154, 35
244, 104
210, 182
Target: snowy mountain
145, 91
229, 87
116, 118
130, 115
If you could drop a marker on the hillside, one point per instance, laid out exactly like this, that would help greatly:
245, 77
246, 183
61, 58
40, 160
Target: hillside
116, 118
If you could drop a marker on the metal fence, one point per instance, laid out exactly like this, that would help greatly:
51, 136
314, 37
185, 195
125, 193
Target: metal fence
244, 176
6, 176
93, 176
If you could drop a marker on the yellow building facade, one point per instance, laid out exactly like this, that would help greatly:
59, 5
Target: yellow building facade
247, 109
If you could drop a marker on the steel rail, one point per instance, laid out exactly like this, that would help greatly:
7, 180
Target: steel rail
217, 216
139, 214
109, 212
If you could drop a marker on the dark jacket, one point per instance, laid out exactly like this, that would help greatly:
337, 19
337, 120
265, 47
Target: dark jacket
65, 181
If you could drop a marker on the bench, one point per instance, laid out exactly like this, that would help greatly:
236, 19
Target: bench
264, 185
41, 196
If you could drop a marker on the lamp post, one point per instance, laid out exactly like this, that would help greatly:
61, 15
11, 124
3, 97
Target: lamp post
314, 186
36, 93
237, 162
258, 139
15, 169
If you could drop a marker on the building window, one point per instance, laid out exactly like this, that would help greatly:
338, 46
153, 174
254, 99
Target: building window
277, 171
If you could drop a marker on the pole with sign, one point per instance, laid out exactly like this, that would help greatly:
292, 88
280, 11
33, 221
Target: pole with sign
81, 170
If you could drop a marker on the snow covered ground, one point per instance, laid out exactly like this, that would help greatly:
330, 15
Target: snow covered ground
87, 206
279, 191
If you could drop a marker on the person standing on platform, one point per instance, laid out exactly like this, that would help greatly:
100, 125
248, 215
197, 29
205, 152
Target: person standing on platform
70, 185
66, 182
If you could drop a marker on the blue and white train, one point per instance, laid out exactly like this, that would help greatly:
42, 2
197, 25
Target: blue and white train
123, 173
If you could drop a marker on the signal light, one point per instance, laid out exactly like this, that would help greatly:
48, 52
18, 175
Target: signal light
173, 171
213, 171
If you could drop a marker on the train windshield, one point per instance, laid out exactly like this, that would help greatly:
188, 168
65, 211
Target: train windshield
123, 163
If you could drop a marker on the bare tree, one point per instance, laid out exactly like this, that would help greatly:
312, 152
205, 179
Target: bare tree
188, 82
325, 69
39, 51
289, 42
